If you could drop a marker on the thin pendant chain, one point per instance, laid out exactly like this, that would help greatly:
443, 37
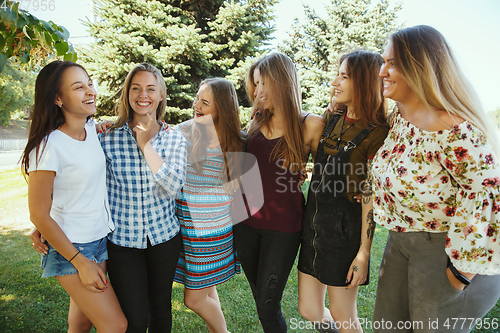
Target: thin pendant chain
342, 131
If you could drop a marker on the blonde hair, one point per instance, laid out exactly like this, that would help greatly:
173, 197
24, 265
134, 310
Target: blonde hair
280, 74
123, 108
428, 65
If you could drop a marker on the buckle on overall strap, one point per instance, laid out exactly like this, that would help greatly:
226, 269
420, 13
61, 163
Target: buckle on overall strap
350, 145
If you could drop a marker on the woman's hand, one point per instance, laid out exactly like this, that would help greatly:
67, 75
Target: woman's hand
330, 108
91, 274
358, 271
103, 126
455, 282
143, 132
37, 241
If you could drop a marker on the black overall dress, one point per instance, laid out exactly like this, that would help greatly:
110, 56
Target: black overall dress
331, 224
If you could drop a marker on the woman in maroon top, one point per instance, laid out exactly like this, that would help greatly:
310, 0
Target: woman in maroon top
281, 138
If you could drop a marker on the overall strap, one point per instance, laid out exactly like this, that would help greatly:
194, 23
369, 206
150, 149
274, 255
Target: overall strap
331, 125
358, 138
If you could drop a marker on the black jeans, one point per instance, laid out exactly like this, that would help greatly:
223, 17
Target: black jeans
267, 257
142, 280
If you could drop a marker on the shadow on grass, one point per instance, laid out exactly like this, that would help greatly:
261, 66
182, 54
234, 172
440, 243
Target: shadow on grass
29, 303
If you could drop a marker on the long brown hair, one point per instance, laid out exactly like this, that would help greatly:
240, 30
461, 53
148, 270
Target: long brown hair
280, 74
363, 69
46, 116
123, 108
227, 126
428, 65
249, 80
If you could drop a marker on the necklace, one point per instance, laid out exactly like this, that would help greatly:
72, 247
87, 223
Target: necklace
342, 131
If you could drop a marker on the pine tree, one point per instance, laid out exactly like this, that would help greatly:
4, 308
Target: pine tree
187, 40
316, 44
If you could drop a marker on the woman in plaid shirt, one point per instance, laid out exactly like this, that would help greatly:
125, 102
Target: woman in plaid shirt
146, 167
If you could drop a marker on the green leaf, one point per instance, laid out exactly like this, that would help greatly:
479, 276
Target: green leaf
8, 16
61, 48
48, 37
24, 57
2, 42
71, 55
3, 60
72, 51
59, 35
21, 22
32, 20
9, 51
16, 7
65, 32
55, 37
47, 26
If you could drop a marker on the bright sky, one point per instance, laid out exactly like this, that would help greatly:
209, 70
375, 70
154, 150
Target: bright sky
471, 27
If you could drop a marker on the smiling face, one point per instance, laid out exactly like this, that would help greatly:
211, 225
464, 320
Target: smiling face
144, 94
342, 84
265, 92
256, 82
204, 104
395, 85
77, 93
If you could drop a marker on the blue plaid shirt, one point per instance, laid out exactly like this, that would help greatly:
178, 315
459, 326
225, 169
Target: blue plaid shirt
142, 203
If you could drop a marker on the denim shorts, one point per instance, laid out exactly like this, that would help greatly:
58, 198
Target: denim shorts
54, 264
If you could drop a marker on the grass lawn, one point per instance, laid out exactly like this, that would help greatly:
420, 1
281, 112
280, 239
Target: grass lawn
29, 303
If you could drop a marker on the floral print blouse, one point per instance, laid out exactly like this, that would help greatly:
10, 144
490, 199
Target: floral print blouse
445, 181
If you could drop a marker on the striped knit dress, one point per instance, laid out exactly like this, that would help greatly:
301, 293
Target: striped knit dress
203, 210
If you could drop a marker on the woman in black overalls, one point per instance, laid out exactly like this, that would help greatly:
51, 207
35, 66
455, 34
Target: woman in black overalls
337, 230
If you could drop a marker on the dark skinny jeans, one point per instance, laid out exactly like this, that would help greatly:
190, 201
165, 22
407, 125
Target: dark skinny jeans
142, 280
267, 256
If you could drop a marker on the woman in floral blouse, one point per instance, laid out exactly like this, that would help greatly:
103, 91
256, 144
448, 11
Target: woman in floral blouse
437, 189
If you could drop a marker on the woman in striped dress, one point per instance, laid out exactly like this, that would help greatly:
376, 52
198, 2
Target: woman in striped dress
203, 205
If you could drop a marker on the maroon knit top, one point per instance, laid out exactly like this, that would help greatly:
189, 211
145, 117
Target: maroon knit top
283, 199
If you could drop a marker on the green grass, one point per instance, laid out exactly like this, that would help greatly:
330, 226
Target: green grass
29, 303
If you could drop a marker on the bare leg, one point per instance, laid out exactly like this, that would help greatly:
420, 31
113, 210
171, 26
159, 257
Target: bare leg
101, 309
343, 308
205, 302
312, 299
77, 321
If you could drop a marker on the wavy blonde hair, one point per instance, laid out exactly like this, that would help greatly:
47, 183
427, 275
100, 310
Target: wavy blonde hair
429, 67
279, 72
123, 108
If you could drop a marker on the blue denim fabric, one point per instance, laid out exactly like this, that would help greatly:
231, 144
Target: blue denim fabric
54, 264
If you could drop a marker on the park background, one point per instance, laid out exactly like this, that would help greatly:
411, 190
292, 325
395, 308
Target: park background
182, 40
